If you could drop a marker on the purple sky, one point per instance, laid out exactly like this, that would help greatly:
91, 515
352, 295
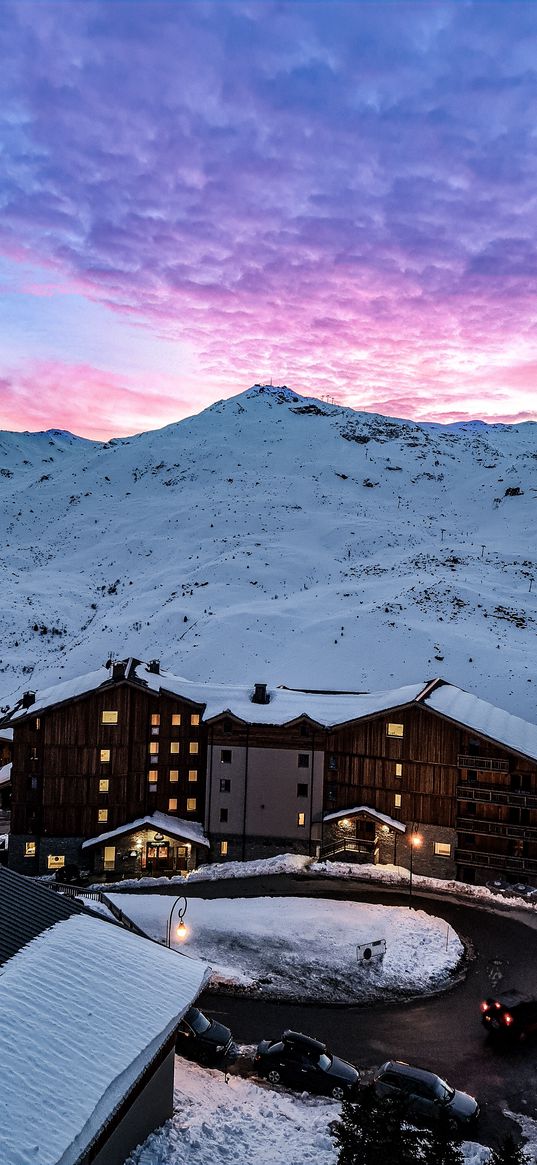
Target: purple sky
197, 196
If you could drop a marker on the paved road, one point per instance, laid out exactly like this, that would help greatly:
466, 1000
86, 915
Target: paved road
443, 1033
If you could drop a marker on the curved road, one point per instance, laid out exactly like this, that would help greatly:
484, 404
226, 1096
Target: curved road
443, 1033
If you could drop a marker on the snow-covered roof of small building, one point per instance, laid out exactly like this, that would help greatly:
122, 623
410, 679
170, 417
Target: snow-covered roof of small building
6, 734
5, 774
340, 814
162, 823
84, 1008
484, 718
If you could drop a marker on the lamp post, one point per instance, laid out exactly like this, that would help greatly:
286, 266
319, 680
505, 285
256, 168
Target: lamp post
181, 932
415, 842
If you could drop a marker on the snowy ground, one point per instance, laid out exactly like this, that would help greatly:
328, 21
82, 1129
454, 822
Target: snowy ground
217, 1123
306, 948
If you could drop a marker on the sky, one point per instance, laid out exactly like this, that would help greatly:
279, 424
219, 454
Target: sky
197, 196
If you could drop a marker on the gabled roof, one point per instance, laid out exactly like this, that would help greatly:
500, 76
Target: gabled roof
27, 908
84, 1010
483, 718
162, 822
340, 814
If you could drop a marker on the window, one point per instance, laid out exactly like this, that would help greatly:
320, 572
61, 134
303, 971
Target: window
194, 719
398, 770
31, 783
332, 763
223, 815
33, 754
109, 857
303, 760
301, 818
442, 849
37, 723
105, 756
56, 861
109, 717
104, 785
192, 775
152, 775
176, 719
397, 800
193, 747
225, 785
172, 804
153, 747
29, 849
174, 746
223, 848
302, 790
102, 815
174, 775
395, 729
225, 756
152, 786
191, 804
155, 720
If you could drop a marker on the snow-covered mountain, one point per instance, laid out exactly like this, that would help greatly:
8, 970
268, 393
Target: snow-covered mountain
275, 538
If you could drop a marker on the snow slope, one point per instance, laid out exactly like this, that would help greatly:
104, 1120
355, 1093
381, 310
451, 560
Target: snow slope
275, 538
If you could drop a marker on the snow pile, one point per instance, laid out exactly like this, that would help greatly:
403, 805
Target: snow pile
301, 948
215, 1123
279, 864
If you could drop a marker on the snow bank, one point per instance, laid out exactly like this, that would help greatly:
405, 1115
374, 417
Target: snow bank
280, 864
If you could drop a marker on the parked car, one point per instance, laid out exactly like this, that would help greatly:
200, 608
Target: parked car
305, 1063
203, 1039
511, 1015
427, 1096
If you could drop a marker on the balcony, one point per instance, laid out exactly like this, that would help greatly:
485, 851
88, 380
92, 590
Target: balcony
484, 763
495, 828
492, 794
509, 865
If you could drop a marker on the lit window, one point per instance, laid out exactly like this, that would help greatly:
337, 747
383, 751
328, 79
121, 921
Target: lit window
103, 815
174, 775
193, 747
172, 804
191, 804
223, 848
223, 815
152, 775
29, 849
194, 719
301, 818
105, 756
155, 720
398, 770
37, 723
442, 849
225, 785
153, 747
302, 790
56, 861
303, 760
109, 857
176, 719
225, 756
395, 729
104, 785
397, 800
192, 775
109, 717
174, 746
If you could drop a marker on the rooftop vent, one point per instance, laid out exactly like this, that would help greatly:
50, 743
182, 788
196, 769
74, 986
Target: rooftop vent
28, 699
154, 667
118, 669
260, 695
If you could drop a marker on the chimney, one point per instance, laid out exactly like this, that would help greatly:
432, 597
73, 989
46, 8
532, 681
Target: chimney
118, 670
260, 695
154, 667
28, 699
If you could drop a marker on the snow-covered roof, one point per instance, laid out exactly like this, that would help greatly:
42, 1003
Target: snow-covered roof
484, 718
6, 734
5, 774
340, 814
59, 693
84, 1008
162, 823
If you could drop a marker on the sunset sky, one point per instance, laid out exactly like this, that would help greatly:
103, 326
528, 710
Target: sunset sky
200, 195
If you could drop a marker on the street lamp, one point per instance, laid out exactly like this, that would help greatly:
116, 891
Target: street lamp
181, 931
415, 841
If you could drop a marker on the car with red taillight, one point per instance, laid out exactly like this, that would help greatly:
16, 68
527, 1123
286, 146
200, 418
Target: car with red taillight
511, 1015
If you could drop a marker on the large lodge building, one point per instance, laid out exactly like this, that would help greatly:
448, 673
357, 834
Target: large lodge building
131, 770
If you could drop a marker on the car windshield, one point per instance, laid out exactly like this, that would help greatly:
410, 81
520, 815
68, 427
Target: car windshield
324, 1062
197, 1021
443, 1092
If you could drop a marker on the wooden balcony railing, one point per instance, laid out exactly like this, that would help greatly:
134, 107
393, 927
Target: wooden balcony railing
486, 763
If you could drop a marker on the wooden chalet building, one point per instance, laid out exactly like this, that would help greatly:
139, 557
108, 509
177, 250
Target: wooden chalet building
103, 770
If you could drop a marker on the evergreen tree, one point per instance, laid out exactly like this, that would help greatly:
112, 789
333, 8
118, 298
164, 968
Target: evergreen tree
508, 1153
442, 1143
372, 1131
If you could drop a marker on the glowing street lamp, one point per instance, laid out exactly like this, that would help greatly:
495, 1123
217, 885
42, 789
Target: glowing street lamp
181, 930
415, 840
